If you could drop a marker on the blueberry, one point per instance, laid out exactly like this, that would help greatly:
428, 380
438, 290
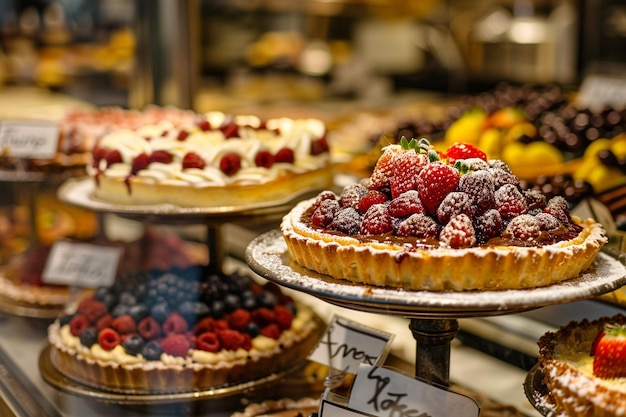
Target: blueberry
133, 344
89, 336
252, 329
218, 309
66, 318
267, 299
231, 302
160, 311
127, 298
249, 303
120, 310
138, 312
152, 350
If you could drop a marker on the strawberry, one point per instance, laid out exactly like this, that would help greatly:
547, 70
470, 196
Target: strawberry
140, 162
383, 168
160, 156
113, 157
406, 168
182, 135
609, 356
193, 160
434, 182
204, 125
319, 146
463, 151
230, 163
230, 130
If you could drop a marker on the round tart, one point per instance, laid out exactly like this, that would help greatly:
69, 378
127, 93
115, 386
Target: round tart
568, 370
170, 332
429, 220
219, 160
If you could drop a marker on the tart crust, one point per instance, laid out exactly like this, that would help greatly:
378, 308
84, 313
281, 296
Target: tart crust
384, 263
139, 191
158, 377
563, 357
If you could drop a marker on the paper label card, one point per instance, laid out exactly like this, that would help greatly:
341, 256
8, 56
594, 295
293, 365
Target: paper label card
29, 139
346, 344
598, 91
329, 409
81, 264
385, 393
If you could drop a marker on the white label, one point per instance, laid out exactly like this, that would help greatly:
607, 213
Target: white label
382, 392
25, 139
598, 91
347, 344
328, 409
81, 264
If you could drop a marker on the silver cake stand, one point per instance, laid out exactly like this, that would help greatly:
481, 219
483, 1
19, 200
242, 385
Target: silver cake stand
433, 315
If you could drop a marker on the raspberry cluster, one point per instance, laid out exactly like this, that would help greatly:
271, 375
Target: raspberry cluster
176, 311
455, 198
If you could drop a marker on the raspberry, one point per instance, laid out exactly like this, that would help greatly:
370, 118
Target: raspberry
406, 167
324, 195
406, 204
347, 220
92, 309
264, 159
535, 199
78, 324
435, 181
263, 316
160, 156
149, 328
140, 162
350, 196
206, 324
418, 225
239, 319
230, 163
193, 160
104, 322
284, 155
124, 324
503, 177
208, 341
271, 330
247, 341
230, 130
510, 202
204, 125
182, 135
108, 338
459, 232
376, 221
547, 222
481, 186
175, 323
456, 202
523, 227
284, 317
487, 225
319, 146
370, 198
230, 339
324, 214
175, 344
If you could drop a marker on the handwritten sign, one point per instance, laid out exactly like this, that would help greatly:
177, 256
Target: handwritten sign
81, 264
347, 344
598, 91
29, 139
382, 392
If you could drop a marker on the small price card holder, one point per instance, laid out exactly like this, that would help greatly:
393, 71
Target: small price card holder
346, 344
598, 91
29, 139
81, 264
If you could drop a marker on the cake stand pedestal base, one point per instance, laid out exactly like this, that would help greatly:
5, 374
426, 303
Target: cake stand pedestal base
433, 338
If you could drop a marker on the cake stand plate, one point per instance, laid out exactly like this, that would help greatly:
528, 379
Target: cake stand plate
60, 381
79, 192
268, 256
538, 395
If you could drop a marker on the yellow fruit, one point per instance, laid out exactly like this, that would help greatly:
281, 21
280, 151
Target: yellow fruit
517, 131
618, 146
490, 142
514, 154
507, 117
542, 153
467, 128
603, 178
596, 146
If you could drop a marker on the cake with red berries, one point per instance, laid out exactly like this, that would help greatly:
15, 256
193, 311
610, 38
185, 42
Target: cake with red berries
218, 160
584, 367
176, 331
430, 220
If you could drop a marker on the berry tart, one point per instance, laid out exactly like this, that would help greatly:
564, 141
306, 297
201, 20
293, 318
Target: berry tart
169, 332
584, 367
218, 161
430, 220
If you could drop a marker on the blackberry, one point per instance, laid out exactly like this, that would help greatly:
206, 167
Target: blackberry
120, 310
138, 312
231, 302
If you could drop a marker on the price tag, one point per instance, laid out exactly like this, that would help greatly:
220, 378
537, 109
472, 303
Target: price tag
81, 264
330, 409
29, 139
347, 344
598, 91
382, 392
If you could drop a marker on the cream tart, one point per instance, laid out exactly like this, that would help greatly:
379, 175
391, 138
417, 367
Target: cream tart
576, 387
429, 220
